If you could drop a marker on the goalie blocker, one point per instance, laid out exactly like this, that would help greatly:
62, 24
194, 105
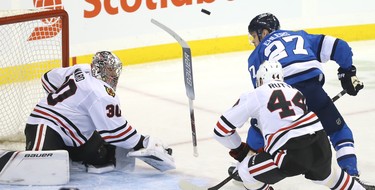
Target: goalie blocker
155, 154
29, 167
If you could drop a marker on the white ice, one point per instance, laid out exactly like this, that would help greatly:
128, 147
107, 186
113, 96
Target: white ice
154, 101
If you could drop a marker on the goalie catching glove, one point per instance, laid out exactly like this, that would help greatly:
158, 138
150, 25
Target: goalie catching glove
155, 153
349, 80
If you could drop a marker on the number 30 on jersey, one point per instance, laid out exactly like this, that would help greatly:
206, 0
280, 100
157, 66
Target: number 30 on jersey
113, 110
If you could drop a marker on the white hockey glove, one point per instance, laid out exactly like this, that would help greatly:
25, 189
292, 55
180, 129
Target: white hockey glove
156, 154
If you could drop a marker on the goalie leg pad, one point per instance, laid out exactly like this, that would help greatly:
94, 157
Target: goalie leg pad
34, 167
155, 154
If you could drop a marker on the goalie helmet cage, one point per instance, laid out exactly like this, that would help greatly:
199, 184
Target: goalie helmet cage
32, 42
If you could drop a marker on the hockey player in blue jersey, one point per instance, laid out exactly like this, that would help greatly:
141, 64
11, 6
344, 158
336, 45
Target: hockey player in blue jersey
301, 55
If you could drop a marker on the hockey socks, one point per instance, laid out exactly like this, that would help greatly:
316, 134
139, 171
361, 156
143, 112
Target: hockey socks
343, 143
339, 179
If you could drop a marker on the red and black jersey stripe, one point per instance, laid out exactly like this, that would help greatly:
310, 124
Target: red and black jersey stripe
118, 134
69, 128
273, 139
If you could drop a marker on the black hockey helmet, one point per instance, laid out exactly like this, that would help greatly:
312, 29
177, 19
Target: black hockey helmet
264, 21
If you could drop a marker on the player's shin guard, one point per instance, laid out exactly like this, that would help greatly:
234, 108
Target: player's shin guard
339, 179
343, 143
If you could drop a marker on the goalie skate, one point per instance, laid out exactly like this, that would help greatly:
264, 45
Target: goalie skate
155, 154
99, 169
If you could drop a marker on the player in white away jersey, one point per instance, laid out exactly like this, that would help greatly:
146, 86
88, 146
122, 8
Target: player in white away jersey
295, 142
81, 114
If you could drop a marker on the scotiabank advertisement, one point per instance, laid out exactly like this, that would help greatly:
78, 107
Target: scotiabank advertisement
124, 24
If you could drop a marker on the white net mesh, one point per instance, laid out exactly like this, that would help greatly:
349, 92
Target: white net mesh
28, 49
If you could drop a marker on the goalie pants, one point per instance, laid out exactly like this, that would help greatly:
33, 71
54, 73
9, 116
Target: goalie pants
94, 152
309, 155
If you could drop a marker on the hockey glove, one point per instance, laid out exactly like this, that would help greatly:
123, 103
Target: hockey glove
155, 153
241, 152
349, 80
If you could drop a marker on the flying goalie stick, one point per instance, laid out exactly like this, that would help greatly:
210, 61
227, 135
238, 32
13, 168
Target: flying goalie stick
188, 76
185, 185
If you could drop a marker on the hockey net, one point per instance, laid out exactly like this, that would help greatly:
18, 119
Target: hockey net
32, 42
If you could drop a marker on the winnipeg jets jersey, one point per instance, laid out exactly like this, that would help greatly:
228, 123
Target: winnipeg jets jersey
281, 112
300, 54
77, 104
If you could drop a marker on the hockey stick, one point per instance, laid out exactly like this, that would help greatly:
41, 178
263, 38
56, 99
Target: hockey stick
184, 185
188, 77
225, 181
342, 93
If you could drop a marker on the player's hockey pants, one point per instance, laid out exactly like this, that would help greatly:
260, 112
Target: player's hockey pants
309, 155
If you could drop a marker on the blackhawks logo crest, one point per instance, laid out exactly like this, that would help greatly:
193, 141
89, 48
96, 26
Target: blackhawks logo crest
110, 91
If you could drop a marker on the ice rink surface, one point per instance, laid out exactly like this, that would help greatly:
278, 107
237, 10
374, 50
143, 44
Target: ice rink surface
154, 101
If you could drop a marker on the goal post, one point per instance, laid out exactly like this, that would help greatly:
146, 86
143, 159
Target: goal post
32, 42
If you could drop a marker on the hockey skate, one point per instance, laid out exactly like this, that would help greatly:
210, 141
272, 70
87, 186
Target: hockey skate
156, 154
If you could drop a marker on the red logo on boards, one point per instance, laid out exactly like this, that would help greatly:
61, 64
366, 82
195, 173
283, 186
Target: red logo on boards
52, 25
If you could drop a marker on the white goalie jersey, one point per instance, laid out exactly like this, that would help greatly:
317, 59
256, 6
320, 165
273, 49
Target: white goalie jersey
77, 104
281, 113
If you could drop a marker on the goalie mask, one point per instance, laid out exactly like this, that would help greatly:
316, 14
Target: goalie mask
269, 71
107, 67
